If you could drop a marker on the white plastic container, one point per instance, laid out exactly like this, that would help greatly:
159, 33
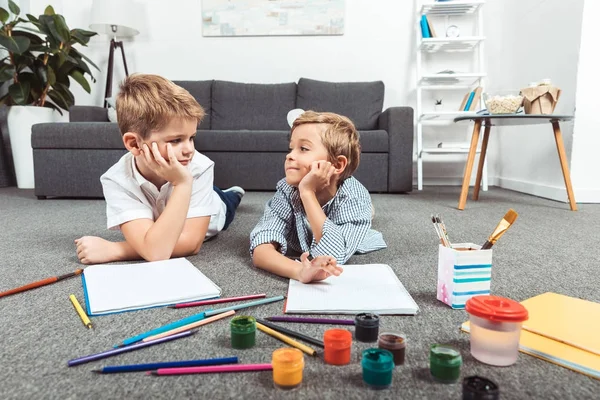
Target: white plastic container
495, 329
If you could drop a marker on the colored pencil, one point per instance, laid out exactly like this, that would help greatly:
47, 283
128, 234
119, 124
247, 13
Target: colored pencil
189, 326
291, 333
217, 301
43, 282
305, 320
114, 352
164, 328
285, 339
84, 318
208, 370
115, 369
245, 305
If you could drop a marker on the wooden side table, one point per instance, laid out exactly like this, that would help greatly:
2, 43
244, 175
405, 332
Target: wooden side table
504, 120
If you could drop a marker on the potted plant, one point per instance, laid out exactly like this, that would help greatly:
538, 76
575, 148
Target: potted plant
35, 76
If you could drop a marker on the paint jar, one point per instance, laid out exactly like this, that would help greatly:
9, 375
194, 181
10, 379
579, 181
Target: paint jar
243, 332
338, 343
366, 327
395, 343
478, 388
377, 368
495, 328
444, 363
288, 364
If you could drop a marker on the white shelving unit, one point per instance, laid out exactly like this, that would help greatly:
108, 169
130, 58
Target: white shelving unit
463, 47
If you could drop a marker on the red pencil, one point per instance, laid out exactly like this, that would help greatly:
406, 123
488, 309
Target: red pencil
217, 301
43, 282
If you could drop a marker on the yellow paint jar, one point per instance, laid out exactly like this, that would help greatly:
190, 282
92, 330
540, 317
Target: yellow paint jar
288, 364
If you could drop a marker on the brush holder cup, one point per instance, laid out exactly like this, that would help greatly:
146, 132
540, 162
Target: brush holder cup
464, 271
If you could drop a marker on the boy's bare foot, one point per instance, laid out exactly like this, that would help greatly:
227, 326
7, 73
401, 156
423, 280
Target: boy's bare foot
95, 250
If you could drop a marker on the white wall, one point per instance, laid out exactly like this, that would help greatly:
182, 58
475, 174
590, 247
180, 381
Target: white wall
527, 40
540, 39
585, 163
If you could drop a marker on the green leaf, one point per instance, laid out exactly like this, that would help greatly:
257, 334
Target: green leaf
18, 44
51, 76
3, 15
82, 36
62, 28
13, 7
60, 100
32, 19
6, 72
19, 92
33, 38
79, 78
86, 59
53, 106
49, 11
65, 92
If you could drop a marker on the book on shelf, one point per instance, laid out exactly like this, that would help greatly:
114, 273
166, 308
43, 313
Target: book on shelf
471, 100
425, 27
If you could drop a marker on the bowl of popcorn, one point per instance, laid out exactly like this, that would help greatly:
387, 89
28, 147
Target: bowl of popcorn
507, 102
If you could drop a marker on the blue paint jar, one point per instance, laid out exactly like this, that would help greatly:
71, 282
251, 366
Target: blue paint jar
377, 368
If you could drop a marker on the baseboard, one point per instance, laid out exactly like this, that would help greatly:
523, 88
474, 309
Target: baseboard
451, 181
558, 193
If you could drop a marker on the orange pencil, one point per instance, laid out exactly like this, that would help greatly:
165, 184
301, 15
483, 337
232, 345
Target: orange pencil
43, 282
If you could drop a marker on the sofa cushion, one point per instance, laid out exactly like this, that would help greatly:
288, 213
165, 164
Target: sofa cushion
362, 102
246, 141
76, 135
202, 92
251, 105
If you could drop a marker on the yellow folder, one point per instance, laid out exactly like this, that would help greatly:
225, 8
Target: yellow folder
565, 319
573, 322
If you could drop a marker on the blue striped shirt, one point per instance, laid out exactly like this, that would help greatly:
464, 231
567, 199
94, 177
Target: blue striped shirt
347, 228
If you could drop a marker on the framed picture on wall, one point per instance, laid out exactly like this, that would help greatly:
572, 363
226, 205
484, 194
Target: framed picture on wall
272, 17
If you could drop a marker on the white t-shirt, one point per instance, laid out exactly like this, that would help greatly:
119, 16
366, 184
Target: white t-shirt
130, 196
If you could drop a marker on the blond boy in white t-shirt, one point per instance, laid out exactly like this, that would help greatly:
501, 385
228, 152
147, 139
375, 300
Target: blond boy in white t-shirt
160, 194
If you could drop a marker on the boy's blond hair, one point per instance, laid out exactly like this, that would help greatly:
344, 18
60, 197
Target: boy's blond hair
148, 103
339, 136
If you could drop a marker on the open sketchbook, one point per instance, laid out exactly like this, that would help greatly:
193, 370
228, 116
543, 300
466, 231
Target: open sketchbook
116, 288
360, 288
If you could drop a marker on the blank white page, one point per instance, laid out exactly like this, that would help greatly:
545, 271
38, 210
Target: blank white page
115, 288
360, 288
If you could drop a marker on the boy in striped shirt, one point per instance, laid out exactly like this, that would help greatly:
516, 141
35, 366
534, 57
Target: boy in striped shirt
319, 209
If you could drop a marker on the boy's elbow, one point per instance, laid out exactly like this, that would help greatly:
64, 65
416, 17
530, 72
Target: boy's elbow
156, 256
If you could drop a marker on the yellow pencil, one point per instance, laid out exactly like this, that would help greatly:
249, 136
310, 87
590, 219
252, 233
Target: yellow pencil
84, 318
286, 339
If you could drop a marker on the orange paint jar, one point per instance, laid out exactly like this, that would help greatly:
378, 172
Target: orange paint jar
288, 364
338, 343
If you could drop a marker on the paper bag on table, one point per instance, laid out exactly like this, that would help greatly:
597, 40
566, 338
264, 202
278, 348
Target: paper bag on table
540, 99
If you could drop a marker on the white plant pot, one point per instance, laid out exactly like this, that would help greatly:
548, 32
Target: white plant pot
20, 120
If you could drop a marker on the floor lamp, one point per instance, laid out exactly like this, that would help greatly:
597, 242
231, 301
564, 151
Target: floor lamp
116, 18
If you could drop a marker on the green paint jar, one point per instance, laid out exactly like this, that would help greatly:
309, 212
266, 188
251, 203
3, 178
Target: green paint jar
444, 363
243, 332
377, 368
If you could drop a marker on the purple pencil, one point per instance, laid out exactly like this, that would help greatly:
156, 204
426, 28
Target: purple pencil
312, 320
119, 350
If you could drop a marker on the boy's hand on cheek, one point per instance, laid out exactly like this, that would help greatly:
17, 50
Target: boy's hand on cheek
319, 176
319, 268
170, 170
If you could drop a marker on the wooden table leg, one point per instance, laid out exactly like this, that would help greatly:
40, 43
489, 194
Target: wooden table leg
484, 144
562, 155
462, 201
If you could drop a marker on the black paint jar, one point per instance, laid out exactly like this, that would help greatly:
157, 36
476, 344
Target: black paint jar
478, 388
366, 327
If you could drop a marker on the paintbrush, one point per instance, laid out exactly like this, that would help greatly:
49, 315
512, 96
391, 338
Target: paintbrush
507, 221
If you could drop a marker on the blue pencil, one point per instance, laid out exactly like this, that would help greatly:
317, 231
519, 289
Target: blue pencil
168, 327
245, 305
112, 369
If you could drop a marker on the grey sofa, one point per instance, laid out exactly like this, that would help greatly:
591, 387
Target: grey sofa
245, 133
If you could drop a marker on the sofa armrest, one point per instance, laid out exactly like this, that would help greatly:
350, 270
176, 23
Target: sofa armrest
398, 122
88, 114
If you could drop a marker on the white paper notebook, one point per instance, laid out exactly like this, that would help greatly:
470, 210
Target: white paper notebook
360, 288
115, 288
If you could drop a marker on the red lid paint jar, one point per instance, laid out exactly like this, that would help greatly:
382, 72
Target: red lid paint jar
366, 327
338, 343
495, 324
395, 343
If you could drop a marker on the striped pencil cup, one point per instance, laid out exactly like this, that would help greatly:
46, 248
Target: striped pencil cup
464, 271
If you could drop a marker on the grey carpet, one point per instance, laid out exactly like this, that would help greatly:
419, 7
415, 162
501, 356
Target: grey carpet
549, 249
